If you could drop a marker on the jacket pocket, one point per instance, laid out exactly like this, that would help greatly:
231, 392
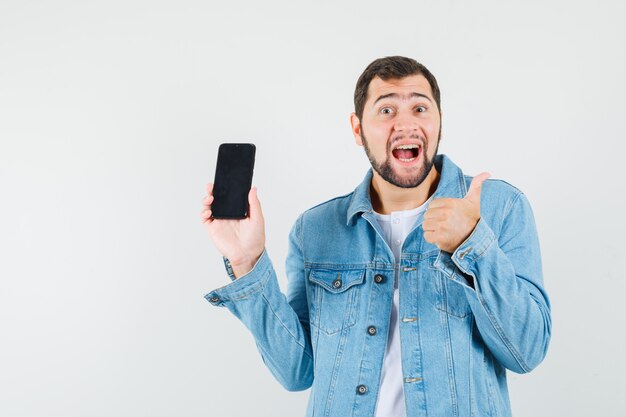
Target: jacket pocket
335, 298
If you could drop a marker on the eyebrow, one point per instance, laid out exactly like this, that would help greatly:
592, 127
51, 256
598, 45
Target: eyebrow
396, 95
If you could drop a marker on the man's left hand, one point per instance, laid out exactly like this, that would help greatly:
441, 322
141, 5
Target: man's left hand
449, 221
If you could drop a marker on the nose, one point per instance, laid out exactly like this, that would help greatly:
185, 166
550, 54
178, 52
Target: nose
406, 122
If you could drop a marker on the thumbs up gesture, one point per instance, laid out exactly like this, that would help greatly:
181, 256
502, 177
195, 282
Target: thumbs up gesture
449, 221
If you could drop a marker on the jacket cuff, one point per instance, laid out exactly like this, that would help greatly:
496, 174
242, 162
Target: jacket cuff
246, 285
470, 251
459, 266
445, 264
229, 269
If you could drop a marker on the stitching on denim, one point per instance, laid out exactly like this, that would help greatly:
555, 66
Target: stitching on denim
462, 183
509, 207
490, 390
251, 288
469, 366
502, 335
341, 290
315, 323
419, 256
342, 266
444, 296
510, 203
489, 239
300, 237
450, 359
351, 300
418, 327
286, 328
440, 265
338, 266
335, 373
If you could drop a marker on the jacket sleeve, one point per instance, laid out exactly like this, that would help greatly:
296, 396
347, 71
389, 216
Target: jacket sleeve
278, 323
506, 294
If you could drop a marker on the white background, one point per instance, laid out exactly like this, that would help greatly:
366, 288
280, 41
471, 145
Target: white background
111, 113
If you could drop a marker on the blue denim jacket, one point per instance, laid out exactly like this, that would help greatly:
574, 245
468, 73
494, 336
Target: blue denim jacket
465, 317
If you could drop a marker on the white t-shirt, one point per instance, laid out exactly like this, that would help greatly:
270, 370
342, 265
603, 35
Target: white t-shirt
396, 226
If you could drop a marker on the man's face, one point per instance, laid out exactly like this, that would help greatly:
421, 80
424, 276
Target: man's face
400, 129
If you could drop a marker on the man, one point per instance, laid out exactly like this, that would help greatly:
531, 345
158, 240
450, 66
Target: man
409, 296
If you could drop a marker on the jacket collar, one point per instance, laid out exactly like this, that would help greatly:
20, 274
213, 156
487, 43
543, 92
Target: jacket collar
451, 184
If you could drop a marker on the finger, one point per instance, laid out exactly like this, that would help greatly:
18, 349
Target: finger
207, 200
428, 226
206, 215
437, 214
439, 202
209, 188
473, 193
256, 214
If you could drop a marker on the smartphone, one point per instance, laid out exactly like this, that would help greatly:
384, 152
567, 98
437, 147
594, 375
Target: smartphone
233, 179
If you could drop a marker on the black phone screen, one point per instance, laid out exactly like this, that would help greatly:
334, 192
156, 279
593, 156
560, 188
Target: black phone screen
233, 179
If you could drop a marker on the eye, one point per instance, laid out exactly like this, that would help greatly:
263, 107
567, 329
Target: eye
420, 109
386, 110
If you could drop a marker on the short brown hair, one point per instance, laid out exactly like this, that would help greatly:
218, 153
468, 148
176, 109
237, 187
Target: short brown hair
388, 68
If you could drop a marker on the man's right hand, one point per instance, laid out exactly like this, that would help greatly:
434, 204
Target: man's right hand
240, 241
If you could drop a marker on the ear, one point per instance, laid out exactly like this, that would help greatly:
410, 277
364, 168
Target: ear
356, 129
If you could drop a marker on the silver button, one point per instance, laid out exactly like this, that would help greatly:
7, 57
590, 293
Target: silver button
396, 220
398, 242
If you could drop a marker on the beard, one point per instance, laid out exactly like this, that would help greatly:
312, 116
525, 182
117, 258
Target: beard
386, 171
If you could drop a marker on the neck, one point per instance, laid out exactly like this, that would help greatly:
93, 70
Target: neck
387, 197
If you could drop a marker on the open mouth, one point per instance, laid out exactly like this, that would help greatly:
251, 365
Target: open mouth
406, 153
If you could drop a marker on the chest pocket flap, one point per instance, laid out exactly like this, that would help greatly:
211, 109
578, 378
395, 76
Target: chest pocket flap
335, 298
337, 281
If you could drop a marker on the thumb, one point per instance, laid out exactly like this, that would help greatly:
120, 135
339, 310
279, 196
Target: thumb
473, 194
255, 205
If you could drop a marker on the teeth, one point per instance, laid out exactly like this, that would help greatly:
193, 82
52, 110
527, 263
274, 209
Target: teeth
406, 160
409, 146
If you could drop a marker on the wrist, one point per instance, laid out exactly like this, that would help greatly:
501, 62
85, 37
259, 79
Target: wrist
241, 270
242, 266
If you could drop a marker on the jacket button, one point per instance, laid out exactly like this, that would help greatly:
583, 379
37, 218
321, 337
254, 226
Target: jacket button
371, 330
361, 389
337, 283
379, 279
214, 299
